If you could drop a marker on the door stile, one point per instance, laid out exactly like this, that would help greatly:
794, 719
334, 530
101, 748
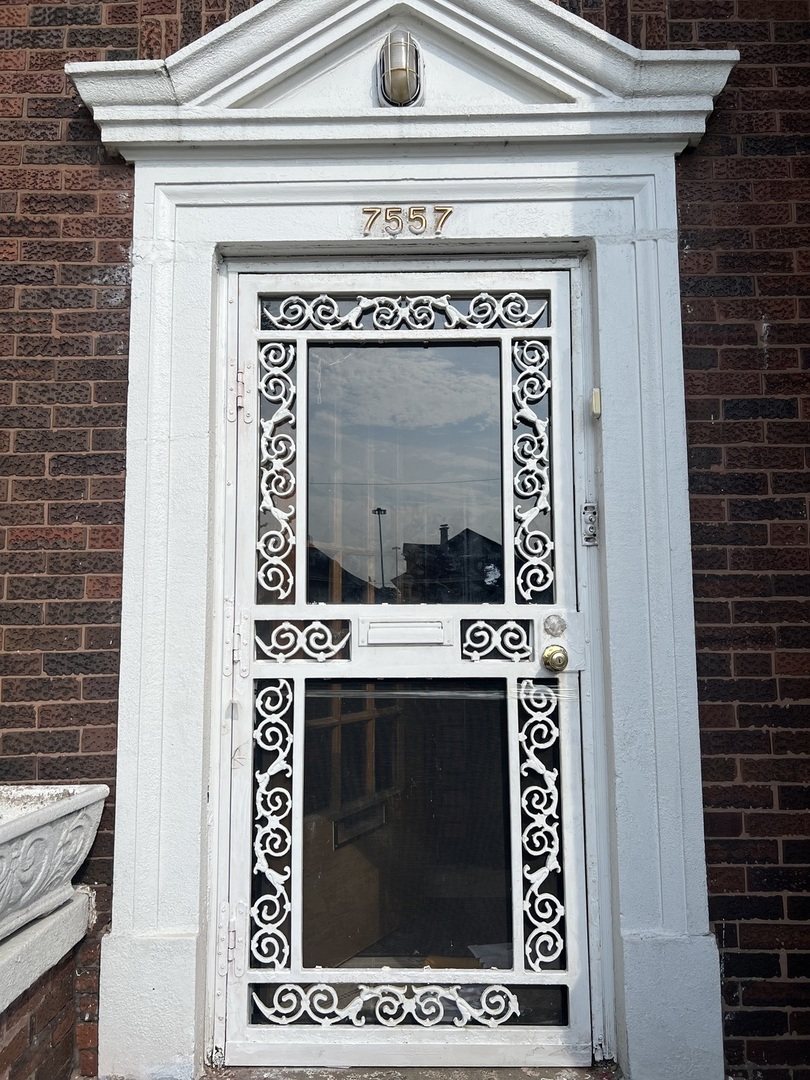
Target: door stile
572, 451
515, 821
222, 684
241, 763
595, 755
572, 824
296, 883
507, 464
562, 444
301, 465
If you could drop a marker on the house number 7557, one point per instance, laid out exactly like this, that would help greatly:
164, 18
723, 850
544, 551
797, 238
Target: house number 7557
393, 220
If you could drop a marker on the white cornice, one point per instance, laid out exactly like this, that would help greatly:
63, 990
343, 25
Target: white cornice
588, 85
143, 133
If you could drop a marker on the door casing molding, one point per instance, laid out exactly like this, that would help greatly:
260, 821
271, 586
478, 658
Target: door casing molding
645, 826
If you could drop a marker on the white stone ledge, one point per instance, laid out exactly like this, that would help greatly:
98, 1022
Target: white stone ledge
32, 951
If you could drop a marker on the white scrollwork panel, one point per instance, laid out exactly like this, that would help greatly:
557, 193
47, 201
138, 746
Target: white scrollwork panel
389, 1005
507, 640
538, 733
402, 313
276, 476
283, 641
272, 839
533, 547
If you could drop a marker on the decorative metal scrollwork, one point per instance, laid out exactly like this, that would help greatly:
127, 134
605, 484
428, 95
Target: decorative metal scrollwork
276, 477
533, 547
272, 841
507, 640
402, 313
539, 732
544, 942
281, 641
389, 1005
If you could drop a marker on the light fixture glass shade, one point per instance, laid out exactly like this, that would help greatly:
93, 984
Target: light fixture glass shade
399, 69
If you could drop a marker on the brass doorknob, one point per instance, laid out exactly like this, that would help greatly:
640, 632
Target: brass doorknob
555, 658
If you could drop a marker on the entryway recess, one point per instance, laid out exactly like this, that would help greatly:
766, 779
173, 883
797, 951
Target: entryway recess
406, 646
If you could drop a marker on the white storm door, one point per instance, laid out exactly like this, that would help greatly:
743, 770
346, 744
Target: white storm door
406, 819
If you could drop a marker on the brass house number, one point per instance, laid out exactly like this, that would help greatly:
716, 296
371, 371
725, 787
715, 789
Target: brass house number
395, 220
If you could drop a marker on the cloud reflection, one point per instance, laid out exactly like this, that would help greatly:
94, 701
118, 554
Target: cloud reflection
415, 430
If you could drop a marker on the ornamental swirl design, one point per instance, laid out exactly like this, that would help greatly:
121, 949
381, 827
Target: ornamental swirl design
390, 1005
508, 640
269, 945
544, 942
272, 732
36, 867
533, 547
277, 452
323, 312
272, 840
538, 732
302, 641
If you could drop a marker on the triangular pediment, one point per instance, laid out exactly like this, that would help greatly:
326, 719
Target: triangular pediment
465, 67
528, 62
342, 71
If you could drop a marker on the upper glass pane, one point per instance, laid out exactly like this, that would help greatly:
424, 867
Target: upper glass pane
404, 481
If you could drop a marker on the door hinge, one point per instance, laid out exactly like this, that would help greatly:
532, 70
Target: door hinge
590, 524
227, 645
236, 646
240, 645
240, 389
232, 938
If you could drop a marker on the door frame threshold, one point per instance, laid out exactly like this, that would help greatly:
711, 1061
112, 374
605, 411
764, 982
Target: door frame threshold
606, 1070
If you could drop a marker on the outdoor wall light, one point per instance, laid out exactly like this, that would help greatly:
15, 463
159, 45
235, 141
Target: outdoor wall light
400, 75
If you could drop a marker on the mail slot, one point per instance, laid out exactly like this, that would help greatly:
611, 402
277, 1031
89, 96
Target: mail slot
405, 632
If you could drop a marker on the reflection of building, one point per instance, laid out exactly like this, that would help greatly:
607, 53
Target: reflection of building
330, 583
464, 569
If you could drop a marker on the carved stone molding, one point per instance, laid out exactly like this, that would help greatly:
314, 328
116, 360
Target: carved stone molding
45, 835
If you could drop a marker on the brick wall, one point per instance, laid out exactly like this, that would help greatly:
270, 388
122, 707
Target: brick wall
37, 1030
744, 196
744, 199
64, 229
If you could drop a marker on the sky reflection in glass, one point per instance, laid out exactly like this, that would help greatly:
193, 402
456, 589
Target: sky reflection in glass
413, 431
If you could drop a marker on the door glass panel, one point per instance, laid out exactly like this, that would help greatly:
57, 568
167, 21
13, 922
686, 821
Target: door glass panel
405, 474
406, 855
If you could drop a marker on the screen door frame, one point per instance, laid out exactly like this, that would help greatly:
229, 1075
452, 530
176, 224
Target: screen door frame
337, 1044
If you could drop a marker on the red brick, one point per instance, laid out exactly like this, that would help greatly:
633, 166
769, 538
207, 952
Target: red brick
746, 276
46, 538
15, 1041
78, 714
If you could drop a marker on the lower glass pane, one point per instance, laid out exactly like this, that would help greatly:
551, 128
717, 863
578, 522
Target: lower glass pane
406, 833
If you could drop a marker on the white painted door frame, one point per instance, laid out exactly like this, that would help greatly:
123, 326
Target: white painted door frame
646, 765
